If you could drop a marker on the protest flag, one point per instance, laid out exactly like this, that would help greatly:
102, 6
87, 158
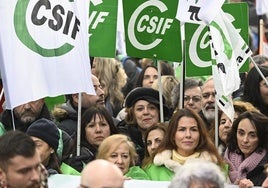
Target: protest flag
44, 49
265, 48
230, 52
198, 11
261, 7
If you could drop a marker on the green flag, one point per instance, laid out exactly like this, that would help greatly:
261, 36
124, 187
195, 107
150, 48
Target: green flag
151, 29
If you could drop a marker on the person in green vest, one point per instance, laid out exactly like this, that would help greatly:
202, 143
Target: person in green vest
186, 138
46, 136
120, 150
153, 137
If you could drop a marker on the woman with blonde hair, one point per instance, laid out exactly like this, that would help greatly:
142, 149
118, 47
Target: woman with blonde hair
120, 150
112, 78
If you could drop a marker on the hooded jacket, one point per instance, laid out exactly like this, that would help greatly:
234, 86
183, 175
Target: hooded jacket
164, 168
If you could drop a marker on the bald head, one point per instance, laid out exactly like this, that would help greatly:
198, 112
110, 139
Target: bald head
102, 174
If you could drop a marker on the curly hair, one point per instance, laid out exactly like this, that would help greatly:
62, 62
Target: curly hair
113, 78
168, 83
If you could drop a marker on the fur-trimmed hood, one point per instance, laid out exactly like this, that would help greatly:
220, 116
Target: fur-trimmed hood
64, 111
165, 158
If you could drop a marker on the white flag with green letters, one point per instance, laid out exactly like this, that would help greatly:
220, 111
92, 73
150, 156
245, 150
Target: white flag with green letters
231, 52
44, 49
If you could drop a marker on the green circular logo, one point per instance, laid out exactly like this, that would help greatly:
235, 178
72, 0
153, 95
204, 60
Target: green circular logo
55, 23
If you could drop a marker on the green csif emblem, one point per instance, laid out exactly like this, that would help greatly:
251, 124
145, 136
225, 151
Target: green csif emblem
55, 24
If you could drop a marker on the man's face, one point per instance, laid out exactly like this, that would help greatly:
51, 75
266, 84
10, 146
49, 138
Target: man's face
23, 172
208, 100
94, 100
29, 112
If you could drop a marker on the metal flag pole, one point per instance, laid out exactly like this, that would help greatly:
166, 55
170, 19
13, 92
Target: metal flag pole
79, 124
160, 89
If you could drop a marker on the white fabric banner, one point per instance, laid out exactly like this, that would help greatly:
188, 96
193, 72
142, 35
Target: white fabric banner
265, 49
44, 49
231, 52
69, 181
261, 7
197, 11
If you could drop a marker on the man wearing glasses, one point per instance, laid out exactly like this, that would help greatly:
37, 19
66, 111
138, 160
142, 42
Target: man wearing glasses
192, 94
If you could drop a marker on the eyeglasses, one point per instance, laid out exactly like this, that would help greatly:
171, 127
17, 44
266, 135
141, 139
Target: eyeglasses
207, 95
194, 98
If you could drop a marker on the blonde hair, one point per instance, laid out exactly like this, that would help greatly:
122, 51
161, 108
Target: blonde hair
113, 78
168, 84
111, 143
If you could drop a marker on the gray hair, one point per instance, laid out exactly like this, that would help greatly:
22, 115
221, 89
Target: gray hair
198, 171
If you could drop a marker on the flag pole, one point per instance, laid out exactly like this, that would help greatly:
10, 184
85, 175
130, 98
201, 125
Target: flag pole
160, 89
216, 122
79, 124
1, 94
182, 79
261, 35
216, 125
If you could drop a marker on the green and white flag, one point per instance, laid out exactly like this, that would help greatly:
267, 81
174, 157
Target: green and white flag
102, 28
198, 11
231, 52
151, 29
44, 49
198, 51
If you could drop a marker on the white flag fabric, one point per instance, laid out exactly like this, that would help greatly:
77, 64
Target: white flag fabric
261, 7
265, 49
44, 49
198, 11
231, 52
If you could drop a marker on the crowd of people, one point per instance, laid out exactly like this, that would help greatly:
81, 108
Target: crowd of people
138, 143
123, 136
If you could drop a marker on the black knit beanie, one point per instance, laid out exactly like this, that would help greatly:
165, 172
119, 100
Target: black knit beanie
46, 130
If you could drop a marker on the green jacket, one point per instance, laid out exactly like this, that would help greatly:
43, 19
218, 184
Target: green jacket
159, 173
68, 170
137, 173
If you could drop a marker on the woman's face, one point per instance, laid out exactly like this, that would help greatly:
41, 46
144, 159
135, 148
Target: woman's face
187, 136
121, 157
150, 75
146, 114
43, 149
247, 138
97, 131
154, 139
264, 91
225, 125
93, 67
